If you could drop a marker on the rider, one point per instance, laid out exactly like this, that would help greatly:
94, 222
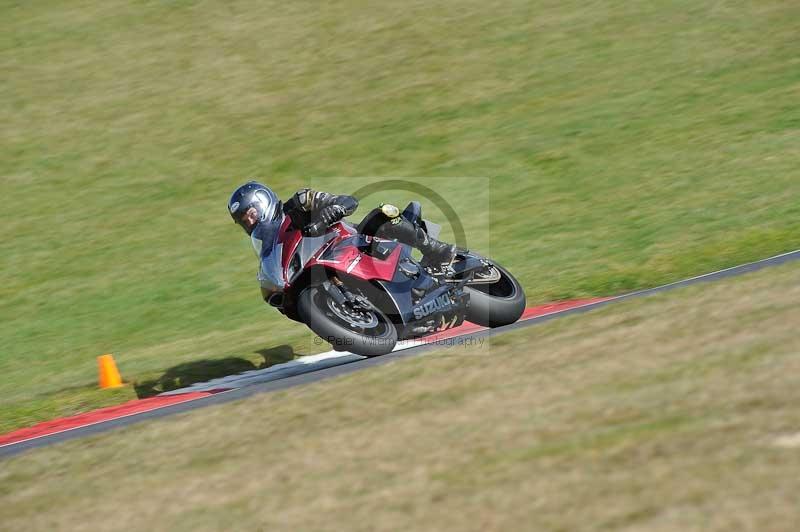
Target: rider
257, 209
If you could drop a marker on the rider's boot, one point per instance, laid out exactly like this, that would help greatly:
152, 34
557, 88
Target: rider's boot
435, 253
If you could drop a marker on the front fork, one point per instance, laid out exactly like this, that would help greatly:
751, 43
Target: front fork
337, 290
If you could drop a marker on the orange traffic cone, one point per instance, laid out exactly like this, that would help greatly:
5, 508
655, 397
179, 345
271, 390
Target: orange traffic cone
109, 374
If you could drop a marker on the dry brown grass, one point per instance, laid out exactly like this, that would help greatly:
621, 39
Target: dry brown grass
670, 413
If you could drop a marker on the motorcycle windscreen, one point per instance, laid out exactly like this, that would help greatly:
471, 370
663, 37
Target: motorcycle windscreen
269, 252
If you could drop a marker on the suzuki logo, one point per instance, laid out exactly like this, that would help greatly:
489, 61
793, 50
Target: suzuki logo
437, 305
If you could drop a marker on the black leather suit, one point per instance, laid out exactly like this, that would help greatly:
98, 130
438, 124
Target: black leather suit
313, 211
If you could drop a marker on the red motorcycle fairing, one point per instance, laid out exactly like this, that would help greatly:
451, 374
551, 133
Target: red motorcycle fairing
344, 254
290, 238
339, 255
407, 296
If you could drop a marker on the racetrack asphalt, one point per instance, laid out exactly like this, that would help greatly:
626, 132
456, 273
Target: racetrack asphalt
349, 367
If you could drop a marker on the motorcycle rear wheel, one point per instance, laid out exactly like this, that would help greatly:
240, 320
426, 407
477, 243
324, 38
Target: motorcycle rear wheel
496, 304
366, 332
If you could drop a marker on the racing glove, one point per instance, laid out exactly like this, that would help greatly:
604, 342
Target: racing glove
332, 214
315, 229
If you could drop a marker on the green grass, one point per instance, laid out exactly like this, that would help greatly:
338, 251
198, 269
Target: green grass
673, 412
611, 146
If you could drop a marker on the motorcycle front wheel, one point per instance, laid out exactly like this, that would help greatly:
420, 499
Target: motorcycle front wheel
365, 332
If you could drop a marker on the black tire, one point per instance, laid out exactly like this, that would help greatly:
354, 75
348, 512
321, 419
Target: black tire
497, 304
312, 308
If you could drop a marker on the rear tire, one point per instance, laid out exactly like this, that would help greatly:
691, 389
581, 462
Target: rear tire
497, 304
317, 313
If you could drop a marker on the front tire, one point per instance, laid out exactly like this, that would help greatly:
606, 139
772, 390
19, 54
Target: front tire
496, 304
367, 333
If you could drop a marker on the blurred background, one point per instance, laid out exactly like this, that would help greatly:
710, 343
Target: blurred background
591, 147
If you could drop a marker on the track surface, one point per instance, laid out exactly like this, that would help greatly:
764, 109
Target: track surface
201, 400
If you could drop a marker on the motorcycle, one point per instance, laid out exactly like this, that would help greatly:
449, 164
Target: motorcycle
363, 294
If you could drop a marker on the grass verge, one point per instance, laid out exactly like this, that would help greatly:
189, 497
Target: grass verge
676, 412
